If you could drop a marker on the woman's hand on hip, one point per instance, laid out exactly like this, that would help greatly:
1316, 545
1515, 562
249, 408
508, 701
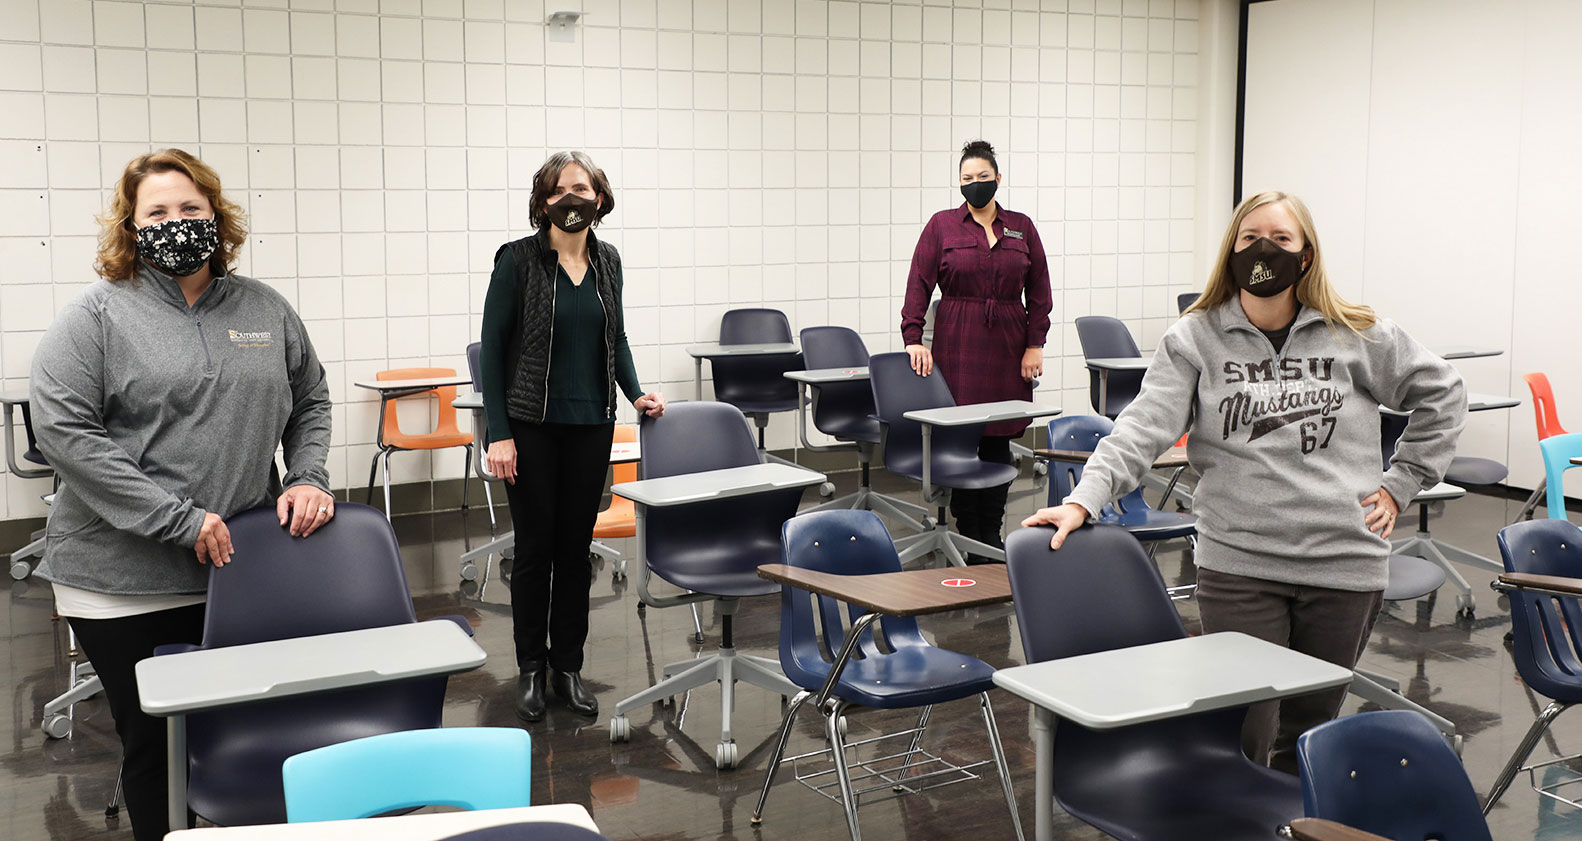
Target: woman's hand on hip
1065, 518
651, 404
922, 359
305, 508
1381, 519
501, 460
1032, 364
214, 541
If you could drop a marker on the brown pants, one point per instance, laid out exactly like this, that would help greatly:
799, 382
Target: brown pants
1331, 625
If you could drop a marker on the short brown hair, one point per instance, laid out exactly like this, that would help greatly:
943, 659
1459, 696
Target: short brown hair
548, 177
118, 236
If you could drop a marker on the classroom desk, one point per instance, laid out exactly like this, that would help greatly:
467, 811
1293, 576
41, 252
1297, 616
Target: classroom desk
423, 827
716, 350
816, 377
392, 390
1169, 459
968, 415
1106, 364
1179, 677
174, 685
1475, 403
1463, 351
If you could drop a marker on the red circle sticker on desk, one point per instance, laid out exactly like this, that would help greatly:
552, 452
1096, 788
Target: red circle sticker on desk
959, 582
850, 371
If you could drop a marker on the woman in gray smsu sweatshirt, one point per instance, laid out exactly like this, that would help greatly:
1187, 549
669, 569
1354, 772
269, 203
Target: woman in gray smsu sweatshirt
160, 395
1280, 382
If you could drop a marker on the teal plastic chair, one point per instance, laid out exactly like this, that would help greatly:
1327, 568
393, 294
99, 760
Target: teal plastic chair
465, 767
1558, 451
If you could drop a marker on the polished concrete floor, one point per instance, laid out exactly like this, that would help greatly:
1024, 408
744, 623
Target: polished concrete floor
663, 784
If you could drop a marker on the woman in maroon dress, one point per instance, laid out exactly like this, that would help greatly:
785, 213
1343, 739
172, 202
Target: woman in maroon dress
989, 265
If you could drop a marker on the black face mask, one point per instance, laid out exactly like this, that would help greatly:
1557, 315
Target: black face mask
178, 247
572, 213
979, 193
1265, 269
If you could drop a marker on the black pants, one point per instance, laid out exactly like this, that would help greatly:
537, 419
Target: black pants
114, 646
980, 513
1329, 624
560, 470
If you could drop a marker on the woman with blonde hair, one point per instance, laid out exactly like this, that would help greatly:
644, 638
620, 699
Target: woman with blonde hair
1279, 381
160, 394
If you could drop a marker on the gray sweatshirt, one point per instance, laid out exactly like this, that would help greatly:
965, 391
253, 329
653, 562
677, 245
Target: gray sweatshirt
1287, 443
153, 413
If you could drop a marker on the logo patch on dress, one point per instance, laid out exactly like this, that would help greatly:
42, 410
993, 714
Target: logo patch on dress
1014, 234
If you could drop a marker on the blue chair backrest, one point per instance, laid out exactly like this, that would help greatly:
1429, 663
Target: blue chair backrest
1389, 773
693, 437
1390, 428
897, 389
1098, 592
1083, 433
849, 542
475, 365
837, 347
32, 452
1103, 337
345, 576
1186, 299
1558, 450
464, 767
1547, 630
755, 379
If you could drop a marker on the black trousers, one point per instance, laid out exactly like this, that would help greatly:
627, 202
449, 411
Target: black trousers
114, 646
980, 513
560, 471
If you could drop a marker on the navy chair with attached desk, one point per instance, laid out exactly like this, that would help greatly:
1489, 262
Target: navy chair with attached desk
908, 672
711, 549
1382, 775
1103, 337
756, 384
1178, 779
897, 389
1543, 578
346, 576
844, 411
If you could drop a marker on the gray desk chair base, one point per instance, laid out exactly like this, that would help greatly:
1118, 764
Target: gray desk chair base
20, 568
910, 515
60, 711
725, 667
939, 538
1423, 545
1385, 691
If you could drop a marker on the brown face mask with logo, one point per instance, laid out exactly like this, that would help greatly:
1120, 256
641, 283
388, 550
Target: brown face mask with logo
1264, 268
572, 213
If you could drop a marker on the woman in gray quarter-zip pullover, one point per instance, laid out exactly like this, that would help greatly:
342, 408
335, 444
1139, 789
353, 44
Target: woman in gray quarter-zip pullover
160, 394
1280, 382
553, 351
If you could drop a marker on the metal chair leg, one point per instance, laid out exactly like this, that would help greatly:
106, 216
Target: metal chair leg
697, 625
999, 762
837, 750
1524, 750
1535, 499
387, 484
917, 742
488, 497
779, 753
466, 476
373, 473
113, 808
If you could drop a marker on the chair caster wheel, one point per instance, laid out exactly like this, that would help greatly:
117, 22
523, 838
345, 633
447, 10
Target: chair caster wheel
1465, 605
620, 729
469, 572
20, 570
1040, 468
57, 726
1456, 743
826, 490
725, 755
928, 523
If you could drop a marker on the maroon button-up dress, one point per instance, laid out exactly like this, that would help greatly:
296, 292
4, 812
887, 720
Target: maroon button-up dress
994, 304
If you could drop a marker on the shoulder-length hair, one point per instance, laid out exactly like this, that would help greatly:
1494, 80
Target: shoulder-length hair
548, 177
117, 260
1313, 289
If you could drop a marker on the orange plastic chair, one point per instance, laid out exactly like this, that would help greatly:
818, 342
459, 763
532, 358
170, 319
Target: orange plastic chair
620, 519
1548, 419
446, 434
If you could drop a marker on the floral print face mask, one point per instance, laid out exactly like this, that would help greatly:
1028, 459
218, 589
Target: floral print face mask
178, 247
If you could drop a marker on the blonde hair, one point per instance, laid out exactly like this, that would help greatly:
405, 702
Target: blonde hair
117, 260
1313, 289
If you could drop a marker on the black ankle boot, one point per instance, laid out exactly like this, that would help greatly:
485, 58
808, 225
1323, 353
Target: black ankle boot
568, 685
530, 694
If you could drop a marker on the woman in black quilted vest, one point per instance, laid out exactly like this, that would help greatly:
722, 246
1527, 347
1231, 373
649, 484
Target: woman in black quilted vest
554, 350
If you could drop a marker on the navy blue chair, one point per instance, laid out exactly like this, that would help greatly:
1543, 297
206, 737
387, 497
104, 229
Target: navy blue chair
897, 389
1186, 299
712, 549
1103, 337
1181, 779
1131, 512
346, 576
1389, 773
844, 411
756, 384
906, 672
1546, 625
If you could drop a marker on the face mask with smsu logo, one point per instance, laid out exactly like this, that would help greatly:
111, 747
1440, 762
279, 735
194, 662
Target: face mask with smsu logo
572, 213
1265, 269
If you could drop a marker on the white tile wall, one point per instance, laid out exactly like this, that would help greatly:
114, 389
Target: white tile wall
763, 152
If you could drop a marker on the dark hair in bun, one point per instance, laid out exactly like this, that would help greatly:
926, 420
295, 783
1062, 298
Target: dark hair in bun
979, 149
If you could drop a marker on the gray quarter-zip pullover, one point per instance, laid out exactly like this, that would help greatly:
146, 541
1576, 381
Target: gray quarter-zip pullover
153, 413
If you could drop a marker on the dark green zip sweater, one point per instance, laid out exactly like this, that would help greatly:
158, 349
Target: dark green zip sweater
577, 387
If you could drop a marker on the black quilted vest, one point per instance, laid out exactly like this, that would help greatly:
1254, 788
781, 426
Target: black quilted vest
527, 380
